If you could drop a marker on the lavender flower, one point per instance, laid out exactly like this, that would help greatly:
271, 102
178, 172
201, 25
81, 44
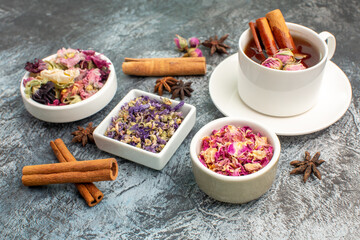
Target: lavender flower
146, 123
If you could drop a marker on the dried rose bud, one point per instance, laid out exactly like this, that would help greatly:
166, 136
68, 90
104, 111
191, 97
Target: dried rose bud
181, 43
294, 66
285, 55
273, 63
193, 52
194, 42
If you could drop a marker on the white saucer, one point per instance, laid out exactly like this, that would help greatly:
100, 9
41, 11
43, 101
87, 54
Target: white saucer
334, 100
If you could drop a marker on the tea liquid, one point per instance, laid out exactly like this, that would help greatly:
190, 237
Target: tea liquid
302, 45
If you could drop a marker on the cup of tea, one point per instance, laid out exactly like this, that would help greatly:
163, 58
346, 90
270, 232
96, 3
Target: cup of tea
285, 93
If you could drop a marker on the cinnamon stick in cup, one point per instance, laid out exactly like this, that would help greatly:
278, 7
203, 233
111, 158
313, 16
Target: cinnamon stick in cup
266, 35
70, 172
164, 66
88, 191
256, 40
280, 30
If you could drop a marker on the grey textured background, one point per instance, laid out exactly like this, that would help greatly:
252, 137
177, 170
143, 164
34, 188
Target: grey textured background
148, 204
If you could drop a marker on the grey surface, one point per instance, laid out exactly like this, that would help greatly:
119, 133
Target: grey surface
148, 204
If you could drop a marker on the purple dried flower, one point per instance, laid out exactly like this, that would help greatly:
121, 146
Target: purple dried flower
294, 66
37, 66
273, 63
194, 42
45, 94
145, 123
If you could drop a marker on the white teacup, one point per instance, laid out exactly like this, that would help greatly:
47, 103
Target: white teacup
284, 93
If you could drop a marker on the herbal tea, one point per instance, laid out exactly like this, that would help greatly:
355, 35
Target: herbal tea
302, 45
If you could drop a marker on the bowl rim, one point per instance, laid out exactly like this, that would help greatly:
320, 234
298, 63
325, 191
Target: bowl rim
124, 100
93, 98
265, 131
323, 59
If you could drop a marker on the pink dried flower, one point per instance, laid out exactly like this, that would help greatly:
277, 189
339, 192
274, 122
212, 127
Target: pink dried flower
285, 55
294, 66
69, 57
273, 63
194, 42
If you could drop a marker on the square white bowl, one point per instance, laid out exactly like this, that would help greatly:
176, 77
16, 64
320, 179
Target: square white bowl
149, 159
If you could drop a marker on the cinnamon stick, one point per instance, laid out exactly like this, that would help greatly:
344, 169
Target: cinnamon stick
256, 40
266, 35
280, 30
88, 191
70, 172
164, 66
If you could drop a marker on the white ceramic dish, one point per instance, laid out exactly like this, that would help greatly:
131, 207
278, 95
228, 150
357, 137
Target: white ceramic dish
73, 112
234, 189
153, 160
334, 100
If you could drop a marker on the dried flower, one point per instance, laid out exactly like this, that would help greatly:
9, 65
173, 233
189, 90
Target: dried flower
37, 66
273, 63
68, 57
77, 75
193, 52
181, 43
146, 123
235, 151
285, 55
294, 66
45, 94
194, 42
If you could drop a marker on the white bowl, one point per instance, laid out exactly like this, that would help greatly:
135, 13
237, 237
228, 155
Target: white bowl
73, 112
153, 160
234, 189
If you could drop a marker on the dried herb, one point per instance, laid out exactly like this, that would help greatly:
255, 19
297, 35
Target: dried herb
84, 135
308, 166
181, 90
165, 82
216, 45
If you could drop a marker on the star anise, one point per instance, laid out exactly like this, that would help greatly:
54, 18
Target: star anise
308, 166
84, 135
165, 82
216, 45
181, 90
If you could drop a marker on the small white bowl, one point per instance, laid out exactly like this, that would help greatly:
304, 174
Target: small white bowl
153, 160
234, 189
73, 112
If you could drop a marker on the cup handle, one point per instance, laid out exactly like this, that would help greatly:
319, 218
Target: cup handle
330, 42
